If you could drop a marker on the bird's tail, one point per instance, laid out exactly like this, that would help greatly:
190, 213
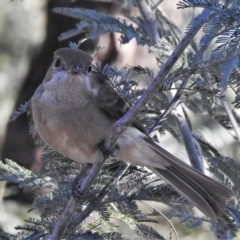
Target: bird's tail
205, 193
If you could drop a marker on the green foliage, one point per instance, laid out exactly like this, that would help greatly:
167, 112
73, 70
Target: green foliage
22, 109
94, 24
148, 232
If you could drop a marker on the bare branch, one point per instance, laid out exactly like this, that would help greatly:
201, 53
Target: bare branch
165, 217
170, 107
61, 225
189, 142
149, 20
231, 117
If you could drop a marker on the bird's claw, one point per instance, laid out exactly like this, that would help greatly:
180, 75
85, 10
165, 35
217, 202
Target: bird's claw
76, 189
107, 151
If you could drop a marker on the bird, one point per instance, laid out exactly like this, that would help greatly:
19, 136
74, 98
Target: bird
74, 110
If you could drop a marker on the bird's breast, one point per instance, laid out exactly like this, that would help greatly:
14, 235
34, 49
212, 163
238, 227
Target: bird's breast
72, 130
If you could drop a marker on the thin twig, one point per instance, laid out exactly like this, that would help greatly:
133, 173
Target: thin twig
231, 117
96, 202
170, 107
92, 174
61, 225
161, 17
155, 6
165, 217
189, 142
149, 20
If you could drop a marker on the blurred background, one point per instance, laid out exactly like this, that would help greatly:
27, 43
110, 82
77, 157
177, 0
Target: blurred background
29, 32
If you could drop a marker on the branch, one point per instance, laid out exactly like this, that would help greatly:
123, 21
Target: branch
165, 217
170, 107
97, 200
61, 225
195, 156
189, 142
231, 117
65, 222
149, 20
128, 118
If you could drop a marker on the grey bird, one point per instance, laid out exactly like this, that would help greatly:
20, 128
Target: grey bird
73, 111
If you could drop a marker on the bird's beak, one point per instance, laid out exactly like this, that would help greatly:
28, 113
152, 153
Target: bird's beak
74, 70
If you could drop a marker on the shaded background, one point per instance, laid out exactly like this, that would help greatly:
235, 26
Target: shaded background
29, 32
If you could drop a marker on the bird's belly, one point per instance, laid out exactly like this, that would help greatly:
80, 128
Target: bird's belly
74, 146
73, 133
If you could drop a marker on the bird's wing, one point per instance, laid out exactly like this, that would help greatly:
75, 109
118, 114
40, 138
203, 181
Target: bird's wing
205, 193
220, 190
110, 101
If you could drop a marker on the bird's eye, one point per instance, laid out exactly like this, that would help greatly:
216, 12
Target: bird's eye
57, 63
89, 69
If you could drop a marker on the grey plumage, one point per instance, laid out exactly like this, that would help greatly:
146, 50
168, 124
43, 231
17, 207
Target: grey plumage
73, 111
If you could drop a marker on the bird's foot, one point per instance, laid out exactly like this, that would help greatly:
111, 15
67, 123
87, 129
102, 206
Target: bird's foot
107, 151
76, 189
